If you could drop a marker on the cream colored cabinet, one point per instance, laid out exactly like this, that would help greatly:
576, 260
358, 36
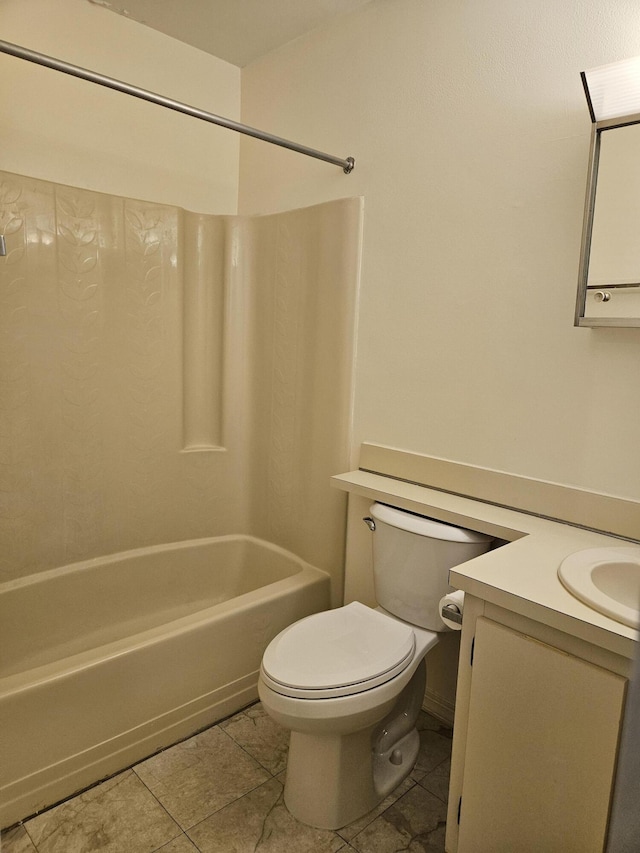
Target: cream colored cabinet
539, 749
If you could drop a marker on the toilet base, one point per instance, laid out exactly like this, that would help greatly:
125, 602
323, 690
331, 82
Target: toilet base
334, 779
338, 788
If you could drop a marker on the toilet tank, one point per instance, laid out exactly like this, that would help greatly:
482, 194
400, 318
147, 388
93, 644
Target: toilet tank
412, 556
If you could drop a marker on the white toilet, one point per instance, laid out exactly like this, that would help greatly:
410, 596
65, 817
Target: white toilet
349, 683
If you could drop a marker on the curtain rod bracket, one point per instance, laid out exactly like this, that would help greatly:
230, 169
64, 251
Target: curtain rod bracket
16, 50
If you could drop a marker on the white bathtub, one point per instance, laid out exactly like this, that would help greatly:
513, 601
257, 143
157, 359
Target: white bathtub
104, 662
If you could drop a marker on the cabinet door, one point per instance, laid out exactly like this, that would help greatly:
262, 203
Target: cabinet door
541, 748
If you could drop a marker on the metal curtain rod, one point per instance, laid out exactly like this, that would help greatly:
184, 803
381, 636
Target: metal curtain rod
84, 74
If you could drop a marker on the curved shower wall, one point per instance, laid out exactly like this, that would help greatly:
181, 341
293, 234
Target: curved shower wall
167, 375
306, 269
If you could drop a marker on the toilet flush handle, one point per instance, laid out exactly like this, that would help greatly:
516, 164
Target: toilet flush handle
370, 523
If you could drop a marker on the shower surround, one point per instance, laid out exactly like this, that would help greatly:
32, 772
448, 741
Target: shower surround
169, 376
166, 375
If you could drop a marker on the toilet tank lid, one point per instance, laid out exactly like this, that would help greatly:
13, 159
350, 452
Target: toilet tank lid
414, 523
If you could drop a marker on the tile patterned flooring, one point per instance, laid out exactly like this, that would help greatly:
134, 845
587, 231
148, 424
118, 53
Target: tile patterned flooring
221, 792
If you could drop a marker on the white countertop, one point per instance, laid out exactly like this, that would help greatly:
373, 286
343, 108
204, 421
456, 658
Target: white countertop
521, 575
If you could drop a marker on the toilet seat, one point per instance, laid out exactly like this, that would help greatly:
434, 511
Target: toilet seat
338, 653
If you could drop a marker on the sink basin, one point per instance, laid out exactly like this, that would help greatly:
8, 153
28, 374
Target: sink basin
606, 579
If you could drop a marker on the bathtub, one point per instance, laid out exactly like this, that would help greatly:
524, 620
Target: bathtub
106, 661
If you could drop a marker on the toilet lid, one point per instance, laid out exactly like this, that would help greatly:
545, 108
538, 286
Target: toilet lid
350, 647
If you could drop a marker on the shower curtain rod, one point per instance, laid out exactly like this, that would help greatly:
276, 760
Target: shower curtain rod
347, 164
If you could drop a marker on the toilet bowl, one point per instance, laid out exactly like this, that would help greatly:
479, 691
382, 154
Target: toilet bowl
353, 739
349, 683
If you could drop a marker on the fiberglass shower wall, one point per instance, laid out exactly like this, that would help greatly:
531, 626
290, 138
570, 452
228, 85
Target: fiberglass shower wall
304, 269
131, 337
92, 380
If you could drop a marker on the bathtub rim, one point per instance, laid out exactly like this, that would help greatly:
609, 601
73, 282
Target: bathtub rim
145, 550
16, 682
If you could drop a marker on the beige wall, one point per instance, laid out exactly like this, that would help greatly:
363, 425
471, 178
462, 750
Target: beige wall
471, 134
62, 129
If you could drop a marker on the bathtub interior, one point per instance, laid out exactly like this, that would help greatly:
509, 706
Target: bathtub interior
68, 610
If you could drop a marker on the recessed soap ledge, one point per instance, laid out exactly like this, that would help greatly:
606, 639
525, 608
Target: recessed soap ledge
521, 576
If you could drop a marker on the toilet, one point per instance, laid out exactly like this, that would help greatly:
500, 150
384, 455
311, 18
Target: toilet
349, 683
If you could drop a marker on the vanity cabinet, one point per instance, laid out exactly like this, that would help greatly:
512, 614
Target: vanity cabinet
542, 678
535, 742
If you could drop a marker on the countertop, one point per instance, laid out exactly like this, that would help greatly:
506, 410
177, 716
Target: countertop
520, 575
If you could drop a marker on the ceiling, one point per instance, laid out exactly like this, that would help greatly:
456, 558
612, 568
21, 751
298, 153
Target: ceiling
237, 31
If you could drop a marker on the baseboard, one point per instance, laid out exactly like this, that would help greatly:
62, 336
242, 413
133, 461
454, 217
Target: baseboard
439, 707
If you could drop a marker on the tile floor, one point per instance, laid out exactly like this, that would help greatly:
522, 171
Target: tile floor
221, 792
